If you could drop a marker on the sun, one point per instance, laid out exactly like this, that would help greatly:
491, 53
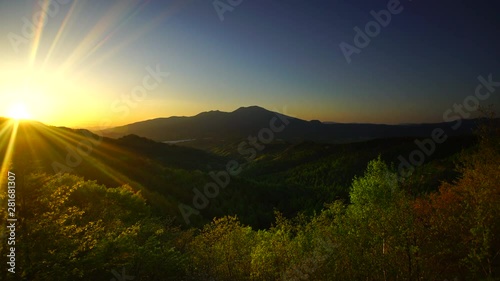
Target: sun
18, 111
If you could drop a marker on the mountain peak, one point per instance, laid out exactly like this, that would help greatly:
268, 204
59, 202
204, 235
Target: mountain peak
253, 108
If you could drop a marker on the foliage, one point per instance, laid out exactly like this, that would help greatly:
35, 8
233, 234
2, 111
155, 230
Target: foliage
73, 229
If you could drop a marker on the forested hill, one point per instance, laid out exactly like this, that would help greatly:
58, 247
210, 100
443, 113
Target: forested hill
162, 173
269, 223
288, 177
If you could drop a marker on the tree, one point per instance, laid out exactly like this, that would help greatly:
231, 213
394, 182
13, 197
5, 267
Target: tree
462, 220
222, 251
79, 230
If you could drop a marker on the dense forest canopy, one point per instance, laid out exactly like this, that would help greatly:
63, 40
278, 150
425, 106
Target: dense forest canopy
376, 225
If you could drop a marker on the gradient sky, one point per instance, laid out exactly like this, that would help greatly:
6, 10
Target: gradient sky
275, 54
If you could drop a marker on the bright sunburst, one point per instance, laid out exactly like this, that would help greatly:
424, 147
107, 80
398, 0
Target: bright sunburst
18, 111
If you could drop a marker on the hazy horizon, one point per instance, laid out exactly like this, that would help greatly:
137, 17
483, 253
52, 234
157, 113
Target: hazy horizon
85, 63
100, 127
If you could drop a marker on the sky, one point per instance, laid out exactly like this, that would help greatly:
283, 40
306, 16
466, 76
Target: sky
107, 63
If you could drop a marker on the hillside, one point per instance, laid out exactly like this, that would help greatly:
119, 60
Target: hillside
290, 177
163, 173
289, 212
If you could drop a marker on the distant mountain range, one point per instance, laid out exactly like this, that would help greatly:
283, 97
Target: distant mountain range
217, 126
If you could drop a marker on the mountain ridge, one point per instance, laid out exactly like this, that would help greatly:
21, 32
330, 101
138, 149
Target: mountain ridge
248, 121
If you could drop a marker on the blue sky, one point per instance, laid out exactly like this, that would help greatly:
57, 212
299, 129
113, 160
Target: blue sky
273, 54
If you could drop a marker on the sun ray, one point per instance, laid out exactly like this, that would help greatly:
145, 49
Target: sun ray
114, 31
99, 31
59, 34
7, 159
38, 34
134, 36
71, 139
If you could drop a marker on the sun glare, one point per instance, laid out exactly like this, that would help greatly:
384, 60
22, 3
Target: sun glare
18, 111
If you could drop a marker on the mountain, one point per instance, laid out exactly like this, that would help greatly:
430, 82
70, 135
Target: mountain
289, 176
216, 127
206, 125
163, 174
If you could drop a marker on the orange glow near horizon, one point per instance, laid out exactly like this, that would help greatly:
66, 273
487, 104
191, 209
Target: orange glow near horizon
54, 82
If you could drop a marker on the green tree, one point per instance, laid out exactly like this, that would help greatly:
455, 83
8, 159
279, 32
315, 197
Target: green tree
222, 251
376, 236
79, 230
